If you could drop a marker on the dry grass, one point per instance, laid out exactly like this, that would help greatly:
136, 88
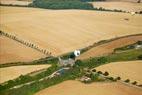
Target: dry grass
108, 48
125, 6
62, 31
100, 88
126, 70
12, 51
13, 72
15, 2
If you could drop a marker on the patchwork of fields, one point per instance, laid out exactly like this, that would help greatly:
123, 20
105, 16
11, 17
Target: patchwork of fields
12, 51
100, 88
10, 73
125, 6
108, 48
126, 70
62, 31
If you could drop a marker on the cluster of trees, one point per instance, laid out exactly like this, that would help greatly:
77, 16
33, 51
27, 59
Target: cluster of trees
44, 51
61, 4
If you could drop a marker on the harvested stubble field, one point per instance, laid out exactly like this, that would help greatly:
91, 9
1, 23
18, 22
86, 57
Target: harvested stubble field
121, 5
15, 2
126, 70
99, 88
12, 51
108, 48
13, 72
62, 31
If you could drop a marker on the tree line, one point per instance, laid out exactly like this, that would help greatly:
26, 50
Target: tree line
61, 4
29, 44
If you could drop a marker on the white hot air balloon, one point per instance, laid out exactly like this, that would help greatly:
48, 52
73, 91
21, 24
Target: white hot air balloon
76, 53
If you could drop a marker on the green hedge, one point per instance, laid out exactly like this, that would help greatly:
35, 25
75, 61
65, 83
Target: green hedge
61, 4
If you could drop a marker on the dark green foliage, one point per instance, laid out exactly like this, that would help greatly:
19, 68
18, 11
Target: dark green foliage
91, 0
140, 57
62, 4
79, 63
111, 78
102, 60
72, 56
127, 80
106, 74
94, 77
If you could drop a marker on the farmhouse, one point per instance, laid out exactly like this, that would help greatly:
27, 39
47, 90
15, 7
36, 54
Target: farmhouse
66, 62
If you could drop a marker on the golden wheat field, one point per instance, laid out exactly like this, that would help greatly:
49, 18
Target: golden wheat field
12, 51
125, 6
109, 47
10, 73
62, 31
98, 88
126, 70
16, 2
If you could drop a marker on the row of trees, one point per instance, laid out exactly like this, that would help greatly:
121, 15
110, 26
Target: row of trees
44, 51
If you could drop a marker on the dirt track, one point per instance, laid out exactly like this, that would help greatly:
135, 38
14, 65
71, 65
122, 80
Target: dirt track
62, 31
78, 88
108, 48
12, 51
13, 72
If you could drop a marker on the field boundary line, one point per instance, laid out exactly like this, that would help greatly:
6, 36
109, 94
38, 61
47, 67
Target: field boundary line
26, 43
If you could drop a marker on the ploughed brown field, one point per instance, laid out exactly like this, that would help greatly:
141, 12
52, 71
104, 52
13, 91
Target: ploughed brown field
126, 70
62, 31
12, 51
108, 48
120, 5
98, 88
10, 73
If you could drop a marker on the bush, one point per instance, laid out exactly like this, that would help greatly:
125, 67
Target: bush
140, 57
139, 42
94, 77
79, 63
62, 4
140, 85
127, 80
118, 78
102, 60
106, 74
99, 72
94, 70
111, 78
134, 83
